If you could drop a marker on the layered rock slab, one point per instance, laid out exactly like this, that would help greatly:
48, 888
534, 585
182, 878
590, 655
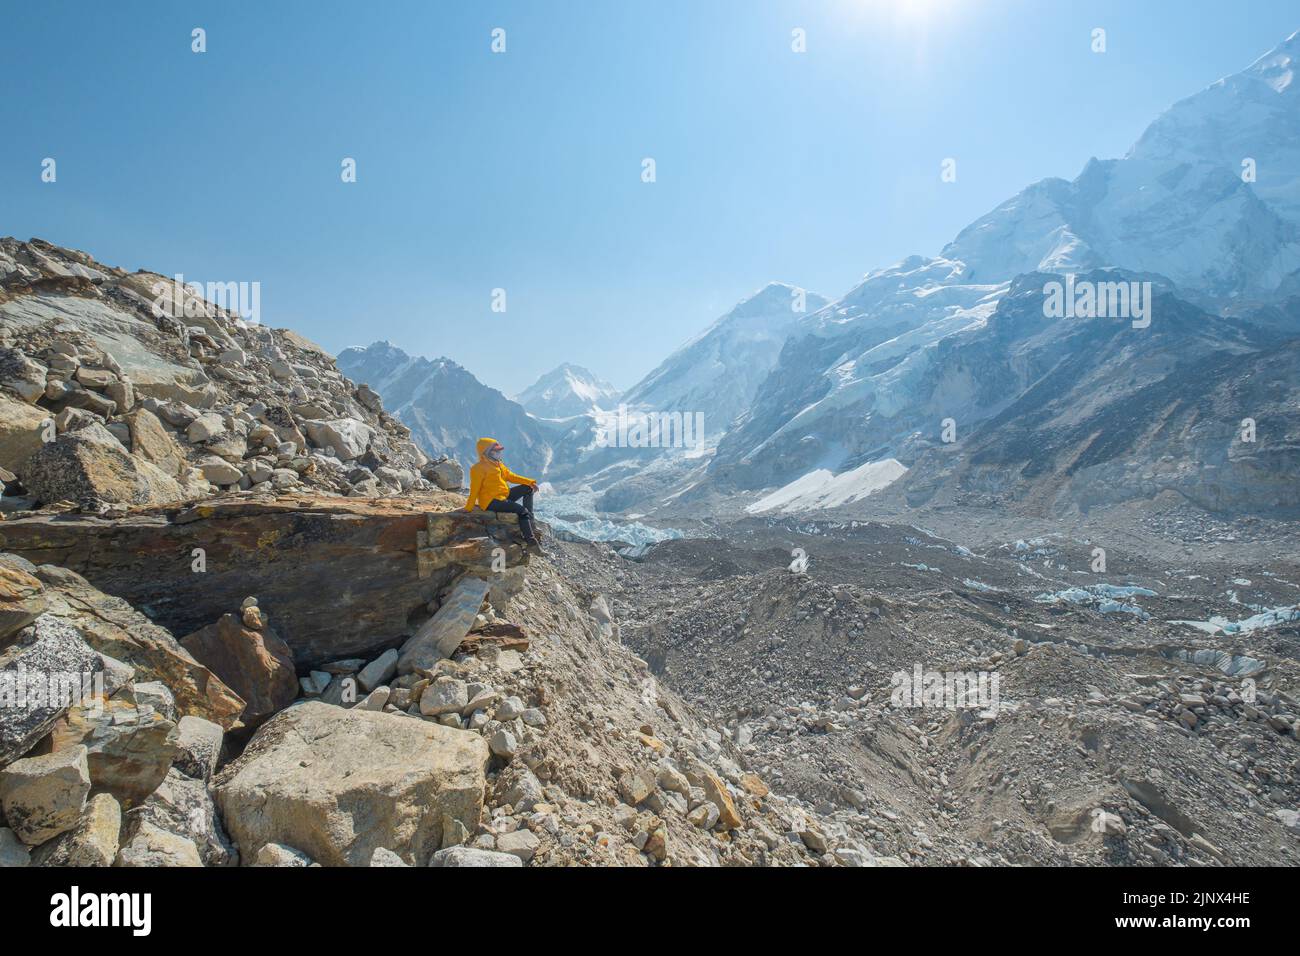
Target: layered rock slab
338, 577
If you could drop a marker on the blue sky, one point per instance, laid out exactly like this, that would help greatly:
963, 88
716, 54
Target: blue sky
522, 170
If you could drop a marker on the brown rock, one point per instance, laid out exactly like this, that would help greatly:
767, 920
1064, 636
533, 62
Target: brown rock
20, 432
112, 627
754, 785
129, 751
151, 441
91, 464
21, 600
715, 791
257, 665
340, 576
636, 785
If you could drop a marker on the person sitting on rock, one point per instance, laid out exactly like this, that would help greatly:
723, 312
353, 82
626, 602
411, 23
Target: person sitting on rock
489, 489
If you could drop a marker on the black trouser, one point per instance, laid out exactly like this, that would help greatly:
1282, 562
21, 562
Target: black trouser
520, 502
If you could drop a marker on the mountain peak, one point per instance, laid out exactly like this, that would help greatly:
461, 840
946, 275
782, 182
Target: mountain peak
1277, 67
565, 391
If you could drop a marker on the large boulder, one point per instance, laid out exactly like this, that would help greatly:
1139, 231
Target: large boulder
42, 797
338, 784
20, 432
185, 807
129, 749
151, 441
257, 665
154, 847
446, 473
47, 652
93, 841
114, 628
348, 437
91, 464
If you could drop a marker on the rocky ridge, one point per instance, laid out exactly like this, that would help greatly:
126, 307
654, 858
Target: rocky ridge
125, 389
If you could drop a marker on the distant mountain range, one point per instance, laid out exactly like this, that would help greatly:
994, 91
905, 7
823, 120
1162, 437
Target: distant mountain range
796, 389
873, 374
447, 408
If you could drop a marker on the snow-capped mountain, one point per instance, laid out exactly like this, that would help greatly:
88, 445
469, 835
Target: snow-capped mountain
1208, 197
848, 370
1251, 115
447, 408
913, 343
567, 391
719, 371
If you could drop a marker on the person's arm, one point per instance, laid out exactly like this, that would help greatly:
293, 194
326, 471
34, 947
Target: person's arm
517, 479
475, 481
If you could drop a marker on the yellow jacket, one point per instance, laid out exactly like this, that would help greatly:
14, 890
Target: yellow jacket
490, 480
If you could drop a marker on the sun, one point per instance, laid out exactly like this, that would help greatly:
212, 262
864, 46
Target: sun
906, 13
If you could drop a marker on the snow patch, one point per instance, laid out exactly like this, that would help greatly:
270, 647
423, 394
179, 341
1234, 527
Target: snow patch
823, 489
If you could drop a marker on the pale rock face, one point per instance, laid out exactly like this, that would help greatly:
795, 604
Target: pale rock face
21, 428
439, 637
184, 806
384, 857
314, 773
198, 747
348, 437
447, 474
274, 854
224, 384
94, 840
154, 847
42, 797
467, 856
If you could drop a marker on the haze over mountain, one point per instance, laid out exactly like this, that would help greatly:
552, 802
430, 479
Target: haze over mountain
873, 374
796, 389
719, 370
